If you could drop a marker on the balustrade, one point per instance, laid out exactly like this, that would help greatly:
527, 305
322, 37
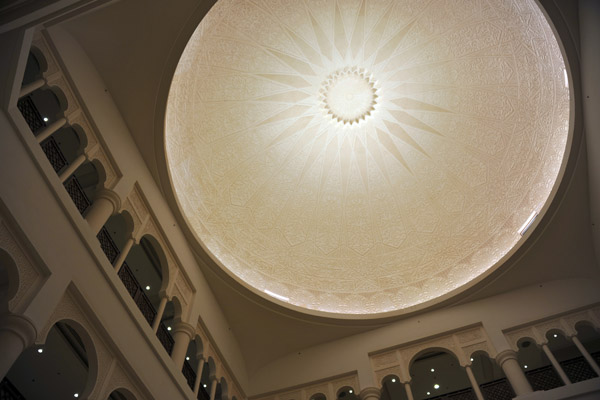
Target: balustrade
77, 194
499, 389
31, 114
9, 392
189, 374
165, 338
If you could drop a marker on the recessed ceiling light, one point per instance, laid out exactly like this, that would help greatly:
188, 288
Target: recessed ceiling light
428, 393
393, 380
432, 369
471, 359
187, 359
76, 395
204, 384
350, 391
524, 366
148, 287
40, 351
436, 386
45, 119
168, 328
555, 335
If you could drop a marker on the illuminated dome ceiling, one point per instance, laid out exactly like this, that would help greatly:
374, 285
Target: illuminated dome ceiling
366, 156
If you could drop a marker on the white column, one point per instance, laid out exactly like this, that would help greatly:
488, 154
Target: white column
198, 376
182, 335
408, 390
370, 393
72, 167
159, 313
586, 355
213, 388
474, 383
33, 86
16, 334
555, 364
123, 255
104, 205
50, 129
507, 360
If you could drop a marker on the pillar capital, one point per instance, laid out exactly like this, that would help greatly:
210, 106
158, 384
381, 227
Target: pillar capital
370, 393
184, 327
19, 325
111, 196
505, 355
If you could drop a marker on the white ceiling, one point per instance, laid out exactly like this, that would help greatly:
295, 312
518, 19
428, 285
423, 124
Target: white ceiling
128, 40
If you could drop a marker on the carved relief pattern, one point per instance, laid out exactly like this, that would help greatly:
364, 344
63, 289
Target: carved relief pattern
29, 273
99, 154
384, 359
465, 141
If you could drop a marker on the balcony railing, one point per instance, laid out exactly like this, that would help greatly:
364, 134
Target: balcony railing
203, 394
497, 390
463, 394
108, 246
9, 392
578, 369
80, 199
165, 338
31, 114
54, 154
188, 372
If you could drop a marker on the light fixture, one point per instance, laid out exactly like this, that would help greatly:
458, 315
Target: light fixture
204, 384
40, 351
436, 386
525, 366
432, 369
187, 359
428, 393
393, 380
471, 359
148, 287
76, 395
350, 391
566, 78
555, 335
168, 328
527, 223
45, 119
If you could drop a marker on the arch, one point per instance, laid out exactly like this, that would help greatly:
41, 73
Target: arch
318, 396
9, 279
121, 394
390, 379
212, 368
199, 346
155, 248
60, 97
224, 388
437, 371
586, 322
392, 388
82, 135
346, 393
40, 58
428, 350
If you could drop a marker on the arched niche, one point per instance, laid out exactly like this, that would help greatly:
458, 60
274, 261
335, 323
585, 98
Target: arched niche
9, 280
65, 364
437, 371
346, 393
392, 388
536, 365
318, 396
121, 394
35, 67
490, 376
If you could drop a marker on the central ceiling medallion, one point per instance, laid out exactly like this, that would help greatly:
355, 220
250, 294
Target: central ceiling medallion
349, 95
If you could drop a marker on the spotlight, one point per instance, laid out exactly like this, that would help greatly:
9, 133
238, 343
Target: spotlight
40, 351
148, 287
168, 328
471, 359
525, 366
76, 395
432, 369
46, 120
350, 391
436, 386
393, 380
555, 335
187, 359
428, 393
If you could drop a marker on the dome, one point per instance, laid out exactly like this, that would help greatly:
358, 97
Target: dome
366, 157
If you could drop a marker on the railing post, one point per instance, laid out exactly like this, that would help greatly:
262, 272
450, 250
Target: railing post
586, 355
72, 167
32, 87
198, 376
474, 383
159, 313
49, 130
213, 388
121, 258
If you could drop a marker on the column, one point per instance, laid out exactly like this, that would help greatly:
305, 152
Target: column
105, 204
50, 129
198, 376
76, 163
369, 393
507, 360
159, 313
16, 334
474, 383
123, 255
586, 355
33, 86
213, 388
182, 334
555, 364
408, 390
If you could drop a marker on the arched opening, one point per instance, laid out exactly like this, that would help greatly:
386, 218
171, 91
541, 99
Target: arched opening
569, 357
208, 372
222, 390
392, 389
437, 372
41, 108
318, 396
82, 185
35, 67
490, 377
589, 337
64, 366
121, 394
190, 364
113, 236
536, 365
346, 393
9, 280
